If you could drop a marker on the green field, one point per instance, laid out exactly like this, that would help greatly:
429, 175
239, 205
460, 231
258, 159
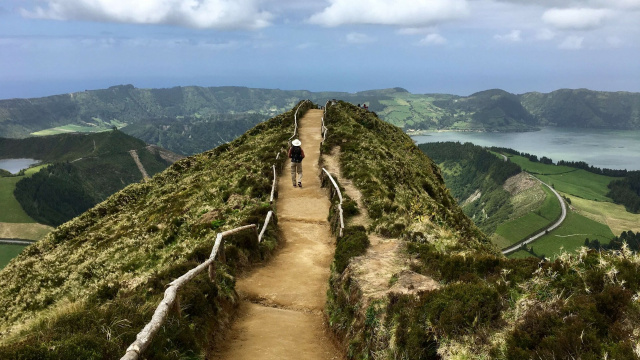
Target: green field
576, 182
11, 210
518, 229
99, 126
8, 252
571, 235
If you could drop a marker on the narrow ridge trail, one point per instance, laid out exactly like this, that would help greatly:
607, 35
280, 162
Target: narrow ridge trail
281, 311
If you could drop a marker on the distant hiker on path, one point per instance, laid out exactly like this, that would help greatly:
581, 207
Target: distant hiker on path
296, 154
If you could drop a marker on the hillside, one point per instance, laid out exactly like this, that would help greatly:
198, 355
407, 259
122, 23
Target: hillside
192, 119
84, 170
107, 269
581, 305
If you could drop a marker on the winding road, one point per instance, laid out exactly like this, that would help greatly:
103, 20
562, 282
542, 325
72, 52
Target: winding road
515, 247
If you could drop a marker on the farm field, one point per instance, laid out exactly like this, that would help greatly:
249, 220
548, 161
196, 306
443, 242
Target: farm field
89, 128
576, 182
614, 215
11, 211
28, 231
8, 252
515, 230
570, 236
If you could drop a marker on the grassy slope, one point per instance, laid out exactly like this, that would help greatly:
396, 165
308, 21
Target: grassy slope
518, 229
107, 269
570, 236
614, 215
487, 306
568, 180
11, 211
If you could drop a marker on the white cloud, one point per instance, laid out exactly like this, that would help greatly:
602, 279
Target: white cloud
219, 14
572, 43
406, 13
433, 39
358, 38
513, 36
576, 18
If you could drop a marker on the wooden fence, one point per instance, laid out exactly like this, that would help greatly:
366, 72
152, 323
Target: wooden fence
337, 189
171, 300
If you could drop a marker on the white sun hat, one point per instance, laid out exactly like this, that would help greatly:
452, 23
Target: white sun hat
296, 142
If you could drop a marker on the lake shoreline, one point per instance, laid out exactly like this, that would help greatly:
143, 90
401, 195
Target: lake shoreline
610, 148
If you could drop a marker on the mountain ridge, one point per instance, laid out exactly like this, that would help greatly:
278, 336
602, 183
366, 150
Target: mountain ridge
488, 110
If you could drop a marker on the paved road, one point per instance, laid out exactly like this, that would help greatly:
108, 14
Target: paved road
517, 246
16, 241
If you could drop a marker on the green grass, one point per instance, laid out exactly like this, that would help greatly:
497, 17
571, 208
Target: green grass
515, 230
11, 211
571, 235
569, 180
69, 128
8, 252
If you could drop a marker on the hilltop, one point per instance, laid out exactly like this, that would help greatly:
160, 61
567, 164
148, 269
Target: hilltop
192, 119
90, 285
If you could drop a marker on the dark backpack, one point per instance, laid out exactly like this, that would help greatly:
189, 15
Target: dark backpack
296, 154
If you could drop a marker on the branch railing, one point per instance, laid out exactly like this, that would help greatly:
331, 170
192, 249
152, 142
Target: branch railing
341, 212
295, 121
170, 300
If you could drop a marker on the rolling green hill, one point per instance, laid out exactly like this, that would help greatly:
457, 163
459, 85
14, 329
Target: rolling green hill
156, 114
85, 169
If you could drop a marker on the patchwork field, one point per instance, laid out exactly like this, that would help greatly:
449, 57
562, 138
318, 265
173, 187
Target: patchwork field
28, 231
570, 236
98, 126
614, 215
576, 182
515, 230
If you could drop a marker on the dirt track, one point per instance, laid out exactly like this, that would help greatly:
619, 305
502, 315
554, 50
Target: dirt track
281, 316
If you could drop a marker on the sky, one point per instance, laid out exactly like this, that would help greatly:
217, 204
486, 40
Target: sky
459, 47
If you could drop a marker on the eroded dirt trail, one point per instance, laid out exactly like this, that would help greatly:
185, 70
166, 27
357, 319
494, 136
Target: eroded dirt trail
281, 312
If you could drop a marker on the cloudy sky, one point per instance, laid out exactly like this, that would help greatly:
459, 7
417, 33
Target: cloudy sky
446, 46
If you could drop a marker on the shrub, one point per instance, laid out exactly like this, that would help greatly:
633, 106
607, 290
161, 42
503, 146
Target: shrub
354, 243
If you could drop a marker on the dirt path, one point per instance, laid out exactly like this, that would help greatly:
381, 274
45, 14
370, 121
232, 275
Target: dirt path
134, 155
281, 314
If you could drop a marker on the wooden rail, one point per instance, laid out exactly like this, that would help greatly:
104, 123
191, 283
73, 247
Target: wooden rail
295, 121
170, 300
340, 203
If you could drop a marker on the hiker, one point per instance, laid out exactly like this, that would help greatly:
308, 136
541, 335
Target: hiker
296, 154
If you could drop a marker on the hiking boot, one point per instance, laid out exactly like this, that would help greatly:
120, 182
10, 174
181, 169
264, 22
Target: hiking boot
300, 184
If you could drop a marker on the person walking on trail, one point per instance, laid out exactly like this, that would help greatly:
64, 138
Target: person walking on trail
296, 154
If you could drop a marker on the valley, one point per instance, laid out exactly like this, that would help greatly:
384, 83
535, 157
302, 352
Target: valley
532, 207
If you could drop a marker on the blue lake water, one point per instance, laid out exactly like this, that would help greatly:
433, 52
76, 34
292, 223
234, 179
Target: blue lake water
15, 165
613, 149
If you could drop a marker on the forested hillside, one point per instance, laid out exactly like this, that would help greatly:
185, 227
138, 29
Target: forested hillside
476, 178
84, 170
